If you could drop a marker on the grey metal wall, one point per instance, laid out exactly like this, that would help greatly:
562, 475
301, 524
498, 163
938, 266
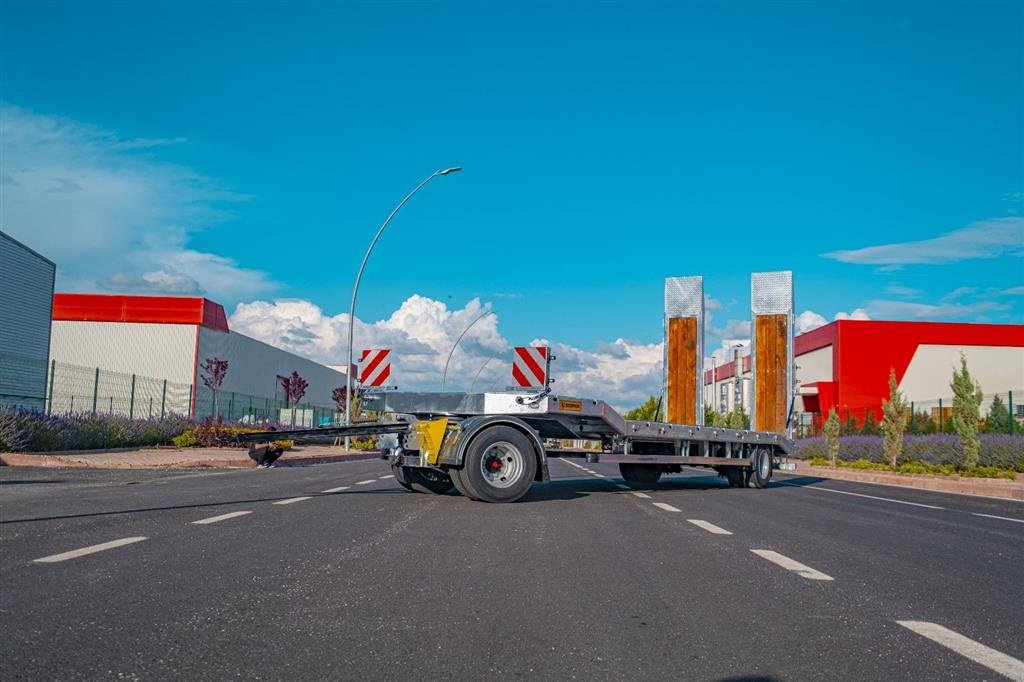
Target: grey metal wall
26, 308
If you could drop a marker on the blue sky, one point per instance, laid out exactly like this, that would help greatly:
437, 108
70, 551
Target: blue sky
250, 151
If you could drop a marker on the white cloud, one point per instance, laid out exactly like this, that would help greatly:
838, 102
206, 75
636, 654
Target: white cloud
110, 214
808, 320
422, 332
1012, 291
897, 290
982, 239
856, 314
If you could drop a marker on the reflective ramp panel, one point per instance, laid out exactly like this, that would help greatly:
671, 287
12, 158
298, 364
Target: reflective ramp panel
771, 309
684, 349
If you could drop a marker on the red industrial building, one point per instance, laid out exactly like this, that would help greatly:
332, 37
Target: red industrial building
845, 365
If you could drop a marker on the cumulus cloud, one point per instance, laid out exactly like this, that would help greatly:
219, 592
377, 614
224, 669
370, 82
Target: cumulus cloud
808, 320
422, 332
982, 239
855, 314
112, 215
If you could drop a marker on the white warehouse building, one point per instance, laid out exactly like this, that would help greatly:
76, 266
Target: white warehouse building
145, 356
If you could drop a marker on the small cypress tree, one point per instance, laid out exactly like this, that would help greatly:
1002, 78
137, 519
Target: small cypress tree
966, 404
998, 419
831, 429
895, 414
870, 427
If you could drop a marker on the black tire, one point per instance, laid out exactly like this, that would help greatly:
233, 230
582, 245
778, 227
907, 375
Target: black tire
430, 481
499, 465
643, 474
760, 473
399, 473
460, 484
737, 477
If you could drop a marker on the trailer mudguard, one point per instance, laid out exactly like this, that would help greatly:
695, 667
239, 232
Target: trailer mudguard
461, 434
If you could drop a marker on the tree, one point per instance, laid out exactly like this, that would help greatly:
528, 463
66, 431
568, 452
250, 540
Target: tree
737, 419
214, 372
831, 429
294, 387
895, 414
966, 404
923, 423
650, 411
870, 427
998, 419
850, 427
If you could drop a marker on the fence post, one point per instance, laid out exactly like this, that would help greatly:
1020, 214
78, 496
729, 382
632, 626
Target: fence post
912, 416
1012, 418
53, 369
941, 420
190, 401
163, 400
95, 389
131, 400
150, 407
111, 405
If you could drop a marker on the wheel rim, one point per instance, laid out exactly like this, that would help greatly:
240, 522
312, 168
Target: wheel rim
502, 464
764, 465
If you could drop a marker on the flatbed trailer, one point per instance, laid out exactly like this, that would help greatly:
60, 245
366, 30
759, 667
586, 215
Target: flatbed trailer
491, 446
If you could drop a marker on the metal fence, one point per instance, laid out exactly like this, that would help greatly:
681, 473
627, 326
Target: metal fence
1000, 413
72, 389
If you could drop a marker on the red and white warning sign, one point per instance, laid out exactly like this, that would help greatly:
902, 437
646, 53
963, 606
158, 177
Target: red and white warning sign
374, 367
530, 366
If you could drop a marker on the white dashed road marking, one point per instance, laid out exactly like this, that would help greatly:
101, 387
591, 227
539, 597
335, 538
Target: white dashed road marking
1001, 518
372, 480
384, 478
976, 651
791, 565
75, 553
709, 527
643, 496
870, 497
338, 489
621, 487
598, 475
222, 517
292, 500
666, 507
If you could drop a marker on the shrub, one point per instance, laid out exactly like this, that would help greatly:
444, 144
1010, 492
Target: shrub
35, 432
894, 420
831, 430
966, 402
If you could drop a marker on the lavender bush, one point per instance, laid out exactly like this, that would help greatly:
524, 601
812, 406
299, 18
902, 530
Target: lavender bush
34, 432
998, 450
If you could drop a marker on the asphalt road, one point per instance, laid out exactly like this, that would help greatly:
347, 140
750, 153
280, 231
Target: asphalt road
334, 571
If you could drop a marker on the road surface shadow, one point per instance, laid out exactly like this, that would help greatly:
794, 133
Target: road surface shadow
574, 488
28, 481
203, 505
798, 481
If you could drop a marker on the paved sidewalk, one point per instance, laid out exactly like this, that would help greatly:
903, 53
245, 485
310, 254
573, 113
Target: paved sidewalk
167, 457
987, 487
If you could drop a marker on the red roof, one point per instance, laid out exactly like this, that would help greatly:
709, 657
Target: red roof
149, 309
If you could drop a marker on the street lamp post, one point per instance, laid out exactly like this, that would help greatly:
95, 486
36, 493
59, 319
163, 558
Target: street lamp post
355, 290
444, 376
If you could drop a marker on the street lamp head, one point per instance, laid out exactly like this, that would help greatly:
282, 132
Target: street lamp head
446, 171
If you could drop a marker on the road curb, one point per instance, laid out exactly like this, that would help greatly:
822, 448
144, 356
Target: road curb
981, 487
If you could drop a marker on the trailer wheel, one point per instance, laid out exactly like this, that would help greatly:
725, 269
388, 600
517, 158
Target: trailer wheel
499, 465
399, 473
737, 477
640, 473
460, 484
760, 472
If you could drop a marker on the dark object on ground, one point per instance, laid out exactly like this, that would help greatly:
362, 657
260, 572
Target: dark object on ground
265, 455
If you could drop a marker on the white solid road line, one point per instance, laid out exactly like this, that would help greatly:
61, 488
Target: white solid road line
791, 565
75, 553
384, 478
976, 651
222, 517
1003, 518
292, 500
709, 527
338, 489
870, 497
643, 496
666, 507
372, 480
